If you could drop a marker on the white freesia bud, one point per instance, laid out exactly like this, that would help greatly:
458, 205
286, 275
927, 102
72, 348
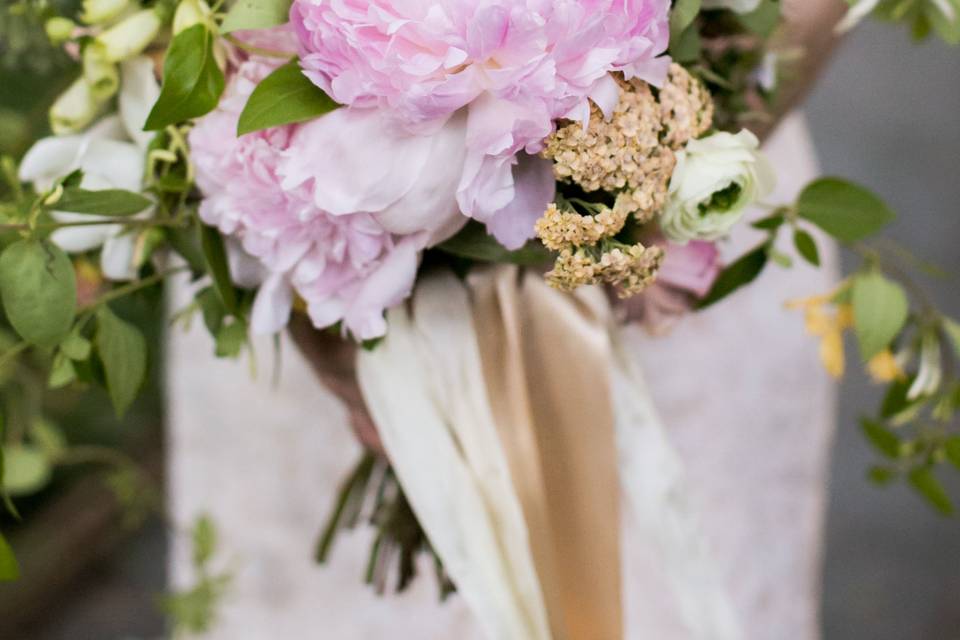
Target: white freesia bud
739, 6
130, 36
102, 76
189, 13
100, 11
59, 29
715, 180
74, 109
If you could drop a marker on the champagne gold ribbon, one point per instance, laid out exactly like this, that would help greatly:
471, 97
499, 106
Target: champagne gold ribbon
546, 358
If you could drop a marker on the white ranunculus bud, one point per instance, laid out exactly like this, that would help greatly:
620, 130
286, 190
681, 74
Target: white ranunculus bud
715, 180
74, 109
189, 13
130, 36
739, 6
102, 76
100, 11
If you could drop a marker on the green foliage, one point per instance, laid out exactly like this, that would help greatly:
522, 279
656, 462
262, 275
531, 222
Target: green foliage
9, 567
806, 246
923, 17
39, 291
883, 439
106, 202
192, 81
256, 14
763, 20
927, 485
123, 352
285, 96
215, 255
845, 210
475, 243
684, 32
739, 274
27, 469
880, 310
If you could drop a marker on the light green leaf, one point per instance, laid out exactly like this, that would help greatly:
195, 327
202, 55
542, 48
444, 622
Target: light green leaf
192, 81
215, 255
62, 372
475, 243
846, 211
743, 271
880, 310
682, 16
75, 346
9, 567
806, 247
928, 486
204, 541
952, 329
123, 351
285, 96
26, 469
762, 20
256, 14
48, 437
105, 202
230, 339
39, 291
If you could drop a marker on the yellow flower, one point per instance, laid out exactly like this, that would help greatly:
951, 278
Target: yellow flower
884, 367
828, 325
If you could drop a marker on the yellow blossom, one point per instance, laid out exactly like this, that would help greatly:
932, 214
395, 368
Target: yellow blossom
828, 325
884, 368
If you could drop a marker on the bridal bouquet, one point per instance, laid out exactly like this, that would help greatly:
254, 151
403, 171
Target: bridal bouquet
475, 193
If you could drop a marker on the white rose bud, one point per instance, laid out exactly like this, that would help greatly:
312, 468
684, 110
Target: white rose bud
130, 36
738, 6
715, 180
74, 109
189, 13
102, 76
100, 11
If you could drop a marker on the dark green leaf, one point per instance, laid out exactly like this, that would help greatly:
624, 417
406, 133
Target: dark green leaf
928, 486
895, 402
123, 351
845, 210
742, 272
105, 202
881, 476
806, 247
770, 223
215, 255
284, 97
686, 47
192, 81
475, 243
952, 329
880, 310
256, 14
883, 439
39, 291
682, 15
211, 306
9, 567
952, 450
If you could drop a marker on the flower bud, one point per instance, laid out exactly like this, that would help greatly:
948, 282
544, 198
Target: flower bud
130, 36
189, 13
101, 11
74, 109
102, 76
59, 29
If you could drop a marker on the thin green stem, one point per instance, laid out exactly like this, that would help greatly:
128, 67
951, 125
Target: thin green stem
127, 289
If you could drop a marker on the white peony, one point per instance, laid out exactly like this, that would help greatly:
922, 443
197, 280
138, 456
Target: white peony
739, 6
715, 180
112, 155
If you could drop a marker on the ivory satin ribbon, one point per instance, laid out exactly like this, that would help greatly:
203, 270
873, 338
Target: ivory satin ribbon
501, 403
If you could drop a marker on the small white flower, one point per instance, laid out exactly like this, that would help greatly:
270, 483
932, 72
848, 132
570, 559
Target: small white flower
715, 180
190, 13
930, 373
130, 36
100, 11
74, 109
739, 6
111, 155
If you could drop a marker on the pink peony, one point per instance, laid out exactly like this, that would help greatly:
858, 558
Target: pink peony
335, 210
517, 65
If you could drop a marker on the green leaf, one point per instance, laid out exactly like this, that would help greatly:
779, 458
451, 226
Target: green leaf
682, 15
123, 351
215, 254
770, 223
62, 372
883, 439
26, 469
952, 450
105, 202
283, 97
762, 20
204, 541
256, 14
475, 243
806, 247
952, 329
75, 346
880, 310
742, 272
881, 476
48, 437
846, 211
230, 339
928, 486
9, 567
685, 48
192, 81
39, 291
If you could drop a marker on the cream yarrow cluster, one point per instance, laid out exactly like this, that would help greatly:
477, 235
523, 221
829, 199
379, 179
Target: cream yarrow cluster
559, 229
686, 108
629, 268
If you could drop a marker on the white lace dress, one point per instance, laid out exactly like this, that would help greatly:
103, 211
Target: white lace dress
739, 388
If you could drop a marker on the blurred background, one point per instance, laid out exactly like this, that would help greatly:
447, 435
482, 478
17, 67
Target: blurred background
884, 114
